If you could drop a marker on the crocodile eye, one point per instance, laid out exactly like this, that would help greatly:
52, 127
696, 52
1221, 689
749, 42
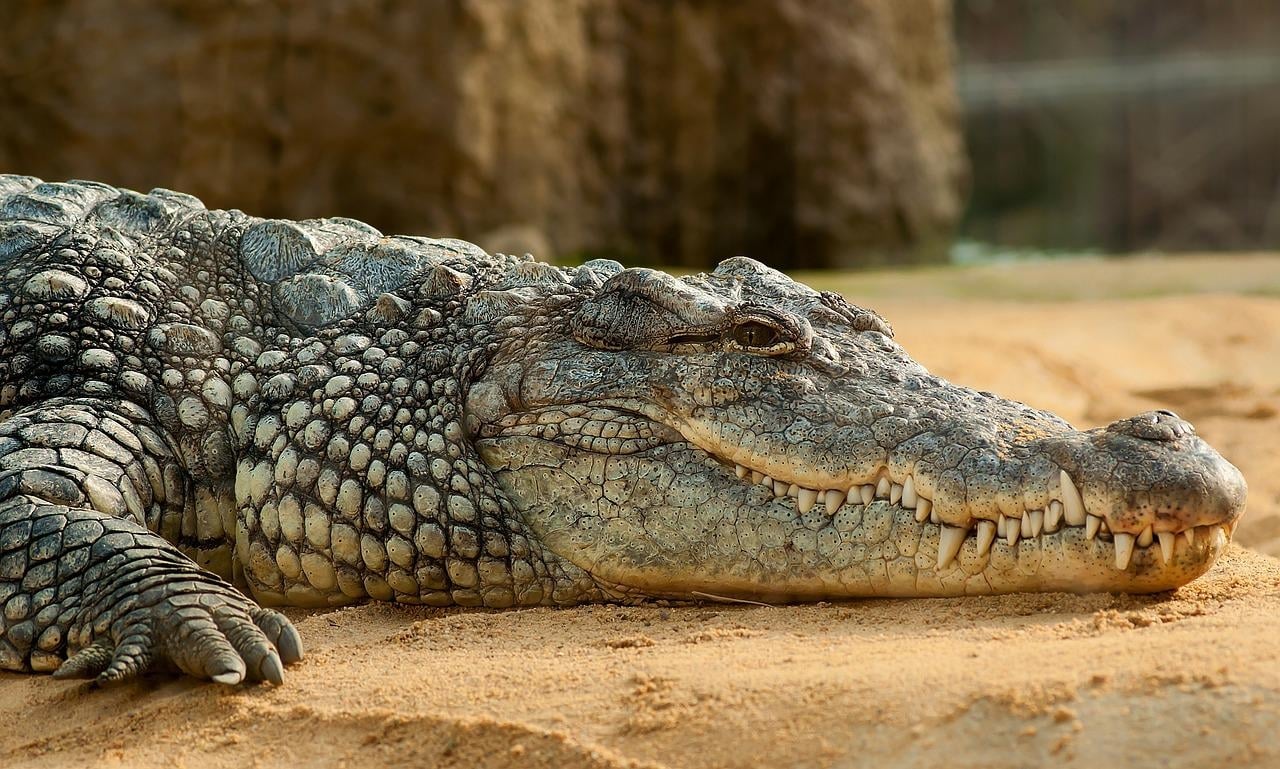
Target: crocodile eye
755, 335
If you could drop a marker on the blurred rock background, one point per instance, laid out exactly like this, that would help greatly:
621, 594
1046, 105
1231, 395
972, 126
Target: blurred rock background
806, 133
1122, 126
803, 132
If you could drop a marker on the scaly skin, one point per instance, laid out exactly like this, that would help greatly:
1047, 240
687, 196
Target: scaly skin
318, 414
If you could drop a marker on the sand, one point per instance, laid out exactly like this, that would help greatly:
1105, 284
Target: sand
1189, 678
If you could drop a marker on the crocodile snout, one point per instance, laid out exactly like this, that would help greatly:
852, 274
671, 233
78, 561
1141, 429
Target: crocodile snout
1151, 472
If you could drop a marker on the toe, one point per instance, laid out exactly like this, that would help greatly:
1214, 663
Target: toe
281, 633
89, 662
261, 660
203, 650
270, 669
132, 658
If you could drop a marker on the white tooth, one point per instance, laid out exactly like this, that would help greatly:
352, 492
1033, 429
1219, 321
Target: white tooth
1190, 534
740, 471
833, 499
986, 535
1024, 525
764, 480
793, 490
1167, 538
1091, 528
923, 509
1052, 516
780, 488
895, 494
1037, 522
882, 488
867, 492
1219, 536
1012, 530
1002, 524
1072, 504
933, 517
1124, 549
909, 496
1146, 537
807, 499
949, 543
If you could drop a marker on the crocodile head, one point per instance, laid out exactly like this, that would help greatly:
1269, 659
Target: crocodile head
740, 434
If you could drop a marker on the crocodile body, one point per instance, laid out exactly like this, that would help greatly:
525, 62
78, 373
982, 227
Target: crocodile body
204, 413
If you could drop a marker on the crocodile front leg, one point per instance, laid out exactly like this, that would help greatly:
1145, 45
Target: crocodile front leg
100, 591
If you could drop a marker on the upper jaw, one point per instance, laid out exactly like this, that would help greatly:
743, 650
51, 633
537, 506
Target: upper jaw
1138, 483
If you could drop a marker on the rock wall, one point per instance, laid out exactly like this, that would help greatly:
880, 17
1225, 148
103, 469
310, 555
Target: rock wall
800, 132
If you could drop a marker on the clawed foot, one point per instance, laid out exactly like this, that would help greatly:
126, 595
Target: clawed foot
220, 636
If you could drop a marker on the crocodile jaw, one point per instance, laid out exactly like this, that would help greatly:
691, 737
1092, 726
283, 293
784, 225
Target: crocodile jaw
675, 520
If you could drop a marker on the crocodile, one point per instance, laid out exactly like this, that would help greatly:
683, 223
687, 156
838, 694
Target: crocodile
206, 414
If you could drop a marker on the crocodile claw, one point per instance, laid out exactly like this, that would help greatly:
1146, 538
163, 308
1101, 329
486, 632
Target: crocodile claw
223, 638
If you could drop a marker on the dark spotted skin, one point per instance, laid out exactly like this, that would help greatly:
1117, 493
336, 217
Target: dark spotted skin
203, 413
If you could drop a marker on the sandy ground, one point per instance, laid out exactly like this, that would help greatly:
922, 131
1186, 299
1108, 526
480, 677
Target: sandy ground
1185, 679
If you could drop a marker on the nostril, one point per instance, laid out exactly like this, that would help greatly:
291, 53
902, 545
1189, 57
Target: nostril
1161, 425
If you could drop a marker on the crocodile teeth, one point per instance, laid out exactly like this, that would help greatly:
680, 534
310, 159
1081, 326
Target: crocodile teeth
833, 499
1091, 528
806, 499
780, 488
1219, 535
1024, 525
1190, 534
1167, 538
1072, 504
949, 543
883, 487
1052, 516
740, 471
1002, 524
1146, 537
867, 492
793, 490
1037, 522
895, 494
986, 535
1012, 530
1124, 549
763, 480
909, 497
924, 509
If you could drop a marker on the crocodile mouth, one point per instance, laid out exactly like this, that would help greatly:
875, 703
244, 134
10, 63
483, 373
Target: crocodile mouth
1062, 525
1063, 518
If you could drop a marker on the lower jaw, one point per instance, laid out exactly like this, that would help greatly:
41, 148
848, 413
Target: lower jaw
1065, 561
904, 565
